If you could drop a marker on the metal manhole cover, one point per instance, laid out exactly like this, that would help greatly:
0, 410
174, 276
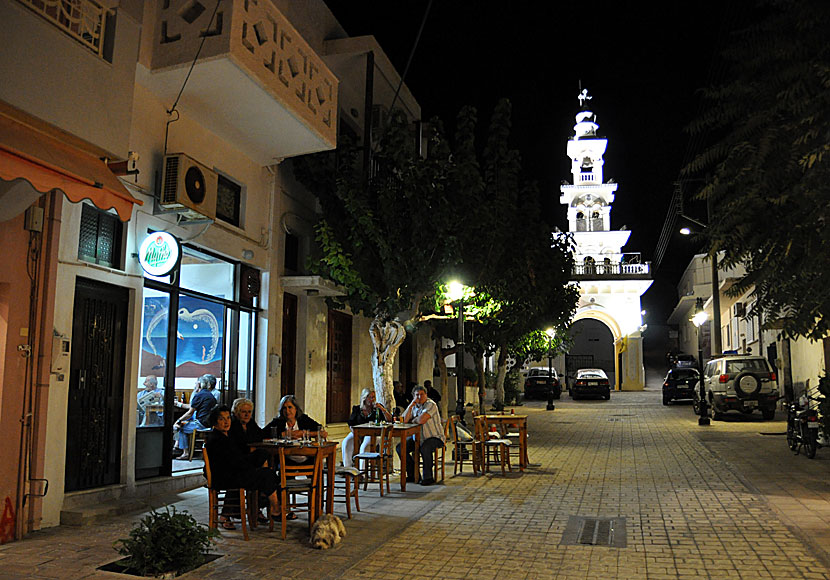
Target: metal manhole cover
588, 531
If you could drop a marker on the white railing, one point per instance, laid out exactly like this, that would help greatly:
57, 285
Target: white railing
611, 269
83, 20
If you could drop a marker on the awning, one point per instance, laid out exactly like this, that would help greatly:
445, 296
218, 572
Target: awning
33, 163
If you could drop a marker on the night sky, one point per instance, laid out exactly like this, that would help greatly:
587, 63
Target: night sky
642, 67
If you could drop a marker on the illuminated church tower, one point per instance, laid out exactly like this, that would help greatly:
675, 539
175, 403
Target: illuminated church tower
610, 282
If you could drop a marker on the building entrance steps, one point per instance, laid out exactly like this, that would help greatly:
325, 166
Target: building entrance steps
717, 502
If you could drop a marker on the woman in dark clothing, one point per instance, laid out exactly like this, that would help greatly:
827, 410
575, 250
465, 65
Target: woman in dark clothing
244, 429
232, 469
291, 422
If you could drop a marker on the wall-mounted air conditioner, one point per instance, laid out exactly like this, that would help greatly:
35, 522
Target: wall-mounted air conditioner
188, 187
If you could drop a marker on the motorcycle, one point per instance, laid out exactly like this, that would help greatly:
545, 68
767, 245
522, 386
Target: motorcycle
802, 427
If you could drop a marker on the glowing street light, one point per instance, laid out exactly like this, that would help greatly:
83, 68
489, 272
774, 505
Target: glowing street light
456, 291
551, 333
699, 319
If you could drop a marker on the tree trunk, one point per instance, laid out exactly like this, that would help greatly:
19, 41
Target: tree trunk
386, 338
482, 383
498, 399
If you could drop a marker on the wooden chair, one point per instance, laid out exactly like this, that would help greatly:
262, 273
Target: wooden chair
347, 479
376, 465
291, 487
491, 447
440, 451
196, 435
217, 497
464, 452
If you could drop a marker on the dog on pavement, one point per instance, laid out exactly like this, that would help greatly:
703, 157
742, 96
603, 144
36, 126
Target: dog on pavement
327, 532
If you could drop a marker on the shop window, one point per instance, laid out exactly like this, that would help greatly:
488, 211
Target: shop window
99, 241
228, 201
206, 274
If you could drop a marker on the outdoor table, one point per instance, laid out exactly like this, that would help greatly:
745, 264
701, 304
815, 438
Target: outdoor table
272, 446
401, 431
521, 422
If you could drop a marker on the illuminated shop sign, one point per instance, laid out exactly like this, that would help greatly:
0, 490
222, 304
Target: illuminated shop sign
159, 253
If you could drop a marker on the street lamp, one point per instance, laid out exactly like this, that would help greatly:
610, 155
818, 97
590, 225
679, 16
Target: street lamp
716, 339
551, 333
455, 292
698, 320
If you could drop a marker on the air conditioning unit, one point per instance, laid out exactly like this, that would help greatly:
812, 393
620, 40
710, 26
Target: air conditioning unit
188, 187
738, 309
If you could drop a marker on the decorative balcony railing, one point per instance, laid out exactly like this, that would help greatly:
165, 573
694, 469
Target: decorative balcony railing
607, 269
259, 39
83, 20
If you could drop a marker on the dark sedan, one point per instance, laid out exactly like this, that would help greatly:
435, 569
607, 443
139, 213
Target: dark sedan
680, 383
540, 384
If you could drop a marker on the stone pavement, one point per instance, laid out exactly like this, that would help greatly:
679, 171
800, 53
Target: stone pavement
727, 501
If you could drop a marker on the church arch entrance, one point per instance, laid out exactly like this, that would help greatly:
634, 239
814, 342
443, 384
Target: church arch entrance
594, 338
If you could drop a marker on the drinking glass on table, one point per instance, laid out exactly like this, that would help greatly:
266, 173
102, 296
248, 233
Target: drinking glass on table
323, 434
275, 433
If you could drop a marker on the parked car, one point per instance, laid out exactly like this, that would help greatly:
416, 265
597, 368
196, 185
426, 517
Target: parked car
683, 361
739, 383
680, 383
539, 383
593, 382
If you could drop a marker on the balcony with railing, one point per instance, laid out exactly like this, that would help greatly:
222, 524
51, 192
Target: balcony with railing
256, 83
86, 21
629, 268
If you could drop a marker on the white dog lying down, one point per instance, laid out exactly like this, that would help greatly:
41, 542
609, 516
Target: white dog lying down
327, 531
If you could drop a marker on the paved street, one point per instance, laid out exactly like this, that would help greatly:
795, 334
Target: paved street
727, 501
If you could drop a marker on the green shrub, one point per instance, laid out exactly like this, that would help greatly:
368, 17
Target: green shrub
511, 387
168, 541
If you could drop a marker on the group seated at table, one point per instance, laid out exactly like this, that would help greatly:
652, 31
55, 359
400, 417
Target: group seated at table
362, 413
233, 468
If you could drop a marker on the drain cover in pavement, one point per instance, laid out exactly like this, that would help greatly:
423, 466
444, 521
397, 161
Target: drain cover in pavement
585, 531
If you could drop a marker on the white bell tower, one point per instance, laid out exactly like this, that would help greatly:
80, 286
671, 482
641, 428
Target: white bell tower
610, 282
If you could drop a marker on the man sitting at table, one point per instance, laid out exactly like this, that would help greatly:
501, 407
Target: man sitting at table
423, 411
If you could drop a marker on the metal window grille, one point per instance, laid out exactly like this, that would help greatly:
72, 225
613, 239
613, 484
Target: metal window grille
99, 239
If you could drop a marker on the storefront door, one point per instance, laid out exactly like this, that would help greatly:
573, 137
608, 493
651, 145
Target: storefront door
339, 367
96, 385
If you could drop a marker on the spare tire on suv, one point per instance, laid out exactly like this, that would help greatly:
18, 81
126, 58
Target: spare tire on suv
747, 384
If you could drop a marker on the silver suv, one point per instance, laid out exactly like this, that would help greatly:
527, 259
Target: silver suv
739, 383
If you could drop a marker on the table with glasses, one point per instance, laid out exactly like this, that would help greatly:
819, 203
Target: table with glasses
400, 430
519, 421
272, 446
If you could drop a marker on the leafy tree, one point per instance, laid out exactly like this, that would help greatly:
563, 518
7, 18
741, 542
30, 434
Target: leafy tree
768, 165
385, 239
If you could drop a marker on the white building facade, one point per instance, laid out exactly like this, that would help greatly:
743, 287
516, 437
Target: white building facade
610, 281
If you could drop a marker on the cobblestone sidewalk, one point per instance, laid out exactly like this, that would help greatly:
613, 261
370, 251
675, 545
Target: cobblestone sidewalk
724, 502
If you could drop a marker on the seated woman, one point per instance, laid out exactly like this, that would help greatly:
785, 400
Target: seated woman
233, 469
243, 432
362, 413
291, 422
244, 429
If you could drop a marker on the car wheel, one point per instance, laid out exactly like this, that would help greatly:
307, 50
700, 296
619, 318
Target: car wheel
768, 414
696, 406
608, 396
747, 383
666, 400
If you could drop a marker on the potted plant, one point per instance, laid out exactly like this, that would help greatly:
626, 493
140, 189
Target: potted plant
166, 544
